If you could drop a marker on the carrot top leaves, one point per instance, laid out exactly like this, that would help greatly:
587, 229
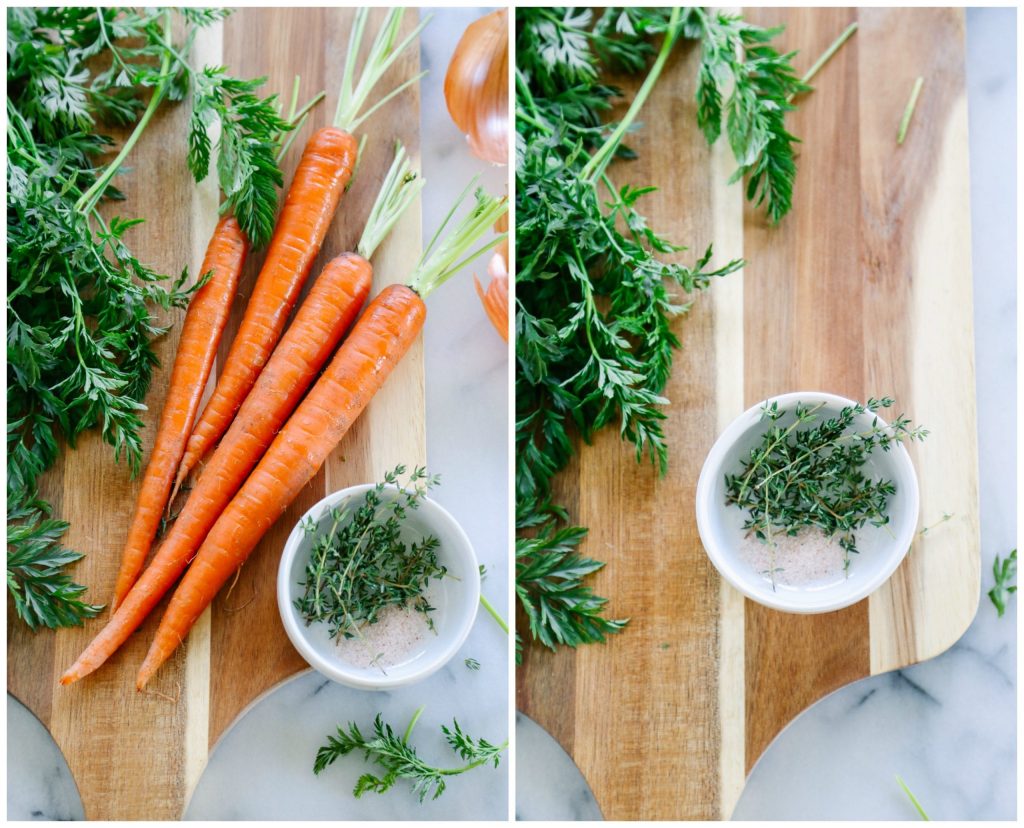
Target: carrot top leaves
355, 92
401, 186
398, 759
250, 128
444, 257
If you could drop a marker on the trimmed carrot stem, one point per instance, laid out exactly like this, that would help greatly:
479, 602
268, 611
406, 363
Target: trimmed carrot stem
204, 324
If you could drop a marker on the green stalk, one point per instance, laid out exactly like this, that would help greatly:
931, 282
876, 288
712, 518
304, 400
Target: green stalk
412, 723
91, 197
909, 111
913, 799
826, 56
401, 186
443, 258
353, 94
494, 613
595, 167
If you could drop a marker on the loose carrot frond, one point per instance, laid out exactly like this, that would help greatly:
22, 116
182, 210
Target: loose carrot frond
401, 186
353, 93
443, 258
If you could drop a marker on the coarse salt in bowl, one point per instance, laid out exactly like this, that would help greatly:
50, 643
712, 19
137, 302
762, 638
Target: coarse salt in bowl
455, 599
880, 549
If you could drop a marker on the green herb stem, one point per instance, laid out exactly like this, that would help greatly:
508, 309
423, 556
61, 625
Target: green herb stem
827, 55
596, 166
412, 722
908, 112
913, 799
90, 198
493, 613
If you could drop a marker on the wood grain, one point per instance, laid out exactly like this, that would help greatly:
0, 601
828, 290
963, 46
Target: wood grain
863, 289
138, 755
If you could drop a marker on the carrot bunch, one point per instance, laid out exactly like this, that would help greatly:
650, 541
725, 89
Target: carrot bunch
366, 358
323, 318
324, 172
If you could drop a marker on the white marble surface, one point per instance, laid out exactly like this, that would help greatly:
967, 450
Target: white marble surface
948, 726
262, 768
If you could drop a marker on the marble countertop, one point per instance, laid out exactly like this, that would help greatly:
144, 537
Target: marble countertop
262, 767
948, 726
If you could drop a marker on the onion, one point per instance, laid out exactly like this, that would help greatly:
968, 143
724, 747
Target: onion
476, 86
495, 299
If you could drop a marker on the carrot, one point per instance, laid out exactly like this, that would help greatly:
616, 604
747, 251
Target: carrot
323, 175
204, 323
365, 359
198, 346
322, 319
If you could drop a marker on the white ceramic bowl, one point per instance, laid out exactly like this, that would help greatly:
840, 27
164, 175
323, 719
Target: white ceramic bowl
879, 552
455, 597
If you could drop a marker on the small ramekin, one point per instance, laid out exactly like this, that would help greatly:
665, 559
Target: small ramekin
879, 551
456, 598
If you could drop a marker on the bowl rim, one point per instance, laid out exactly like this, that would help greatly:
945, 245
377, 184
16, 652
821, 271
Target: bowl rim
897, 548
337, 670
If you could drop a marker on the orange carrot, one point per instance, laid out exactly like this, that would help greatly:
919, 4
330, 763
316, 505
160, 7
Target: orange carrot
321, 178
365, 359
322, 319
204, 323
323, 174
377, 342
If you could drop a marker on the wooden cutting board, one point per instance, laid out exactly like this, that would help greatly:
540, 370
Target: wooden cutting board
138, 755
865, 288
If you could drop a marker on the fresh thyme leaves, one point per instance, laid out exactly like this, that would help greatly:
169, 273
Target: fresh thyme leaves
79, 326
802, 476
1004, 572
399, 759
595, 297
361, 564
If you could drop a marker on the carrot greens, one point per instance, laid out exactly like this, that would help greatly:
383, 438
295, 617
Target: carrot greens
79, 321
1004, 572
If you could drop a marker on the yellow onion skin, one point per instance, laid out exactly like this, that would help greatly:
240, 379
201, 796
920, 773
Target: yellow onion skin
476, 86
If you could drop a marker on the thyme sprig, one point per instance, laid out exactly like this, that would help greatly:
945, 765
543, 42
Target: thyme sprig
362, 564
399, 759
801, 476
